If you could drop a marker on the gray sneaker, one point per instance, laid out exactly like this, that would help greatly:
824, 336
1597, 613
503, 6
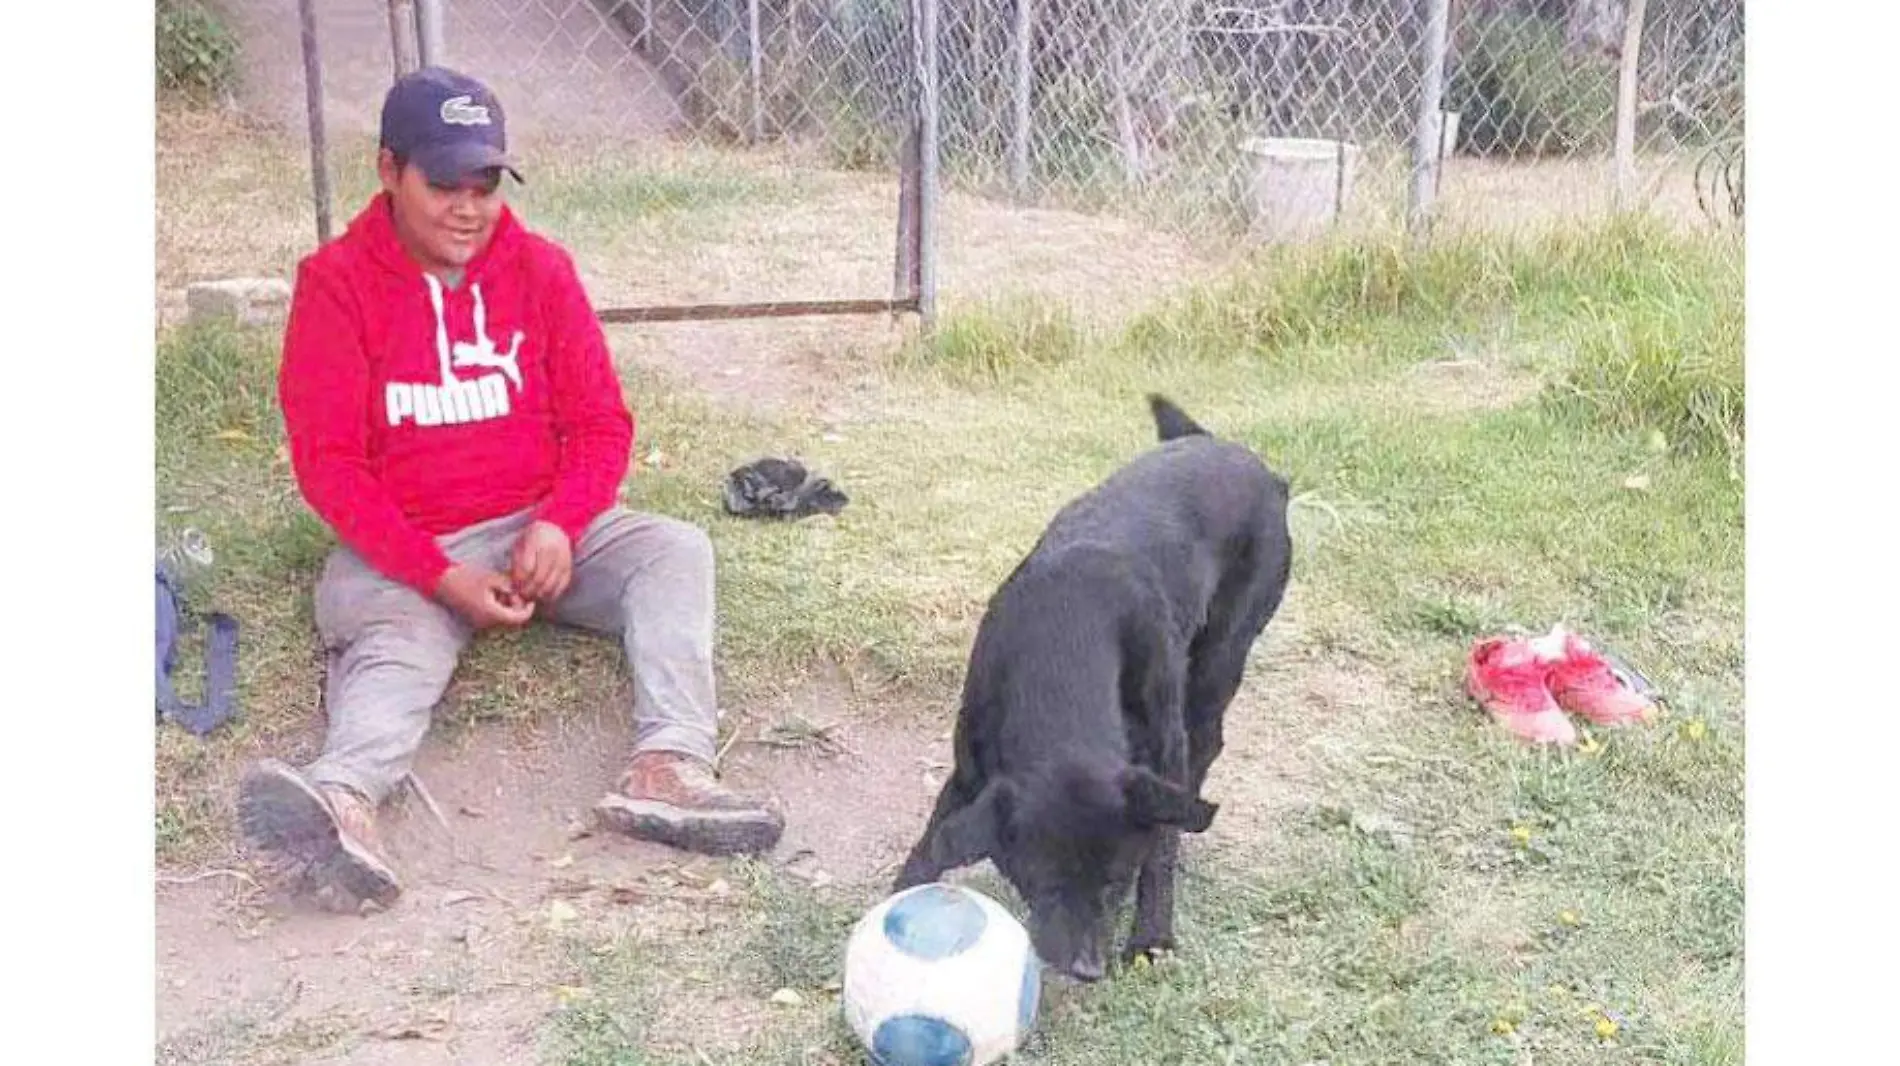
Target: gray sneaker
327, 833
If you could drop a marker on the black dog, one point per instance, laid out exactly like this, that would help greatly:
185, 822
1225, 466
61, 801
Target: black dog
1096, 688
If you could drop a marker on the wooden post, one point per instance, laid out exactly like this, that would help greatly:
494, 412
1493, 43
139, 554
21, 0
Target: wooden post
1124, 108
929, 165
313, 112
1431, 97
906, 284
1625, 152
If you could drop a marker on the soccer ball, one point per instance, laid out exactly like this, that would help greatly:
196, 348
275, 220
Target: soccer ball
938, 975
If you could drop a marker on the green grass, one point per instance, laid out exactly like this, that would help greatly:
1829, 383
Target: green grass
988, 343
1425, 525
590, 193
1669, 366
1352, 948
195, 52
1528, 896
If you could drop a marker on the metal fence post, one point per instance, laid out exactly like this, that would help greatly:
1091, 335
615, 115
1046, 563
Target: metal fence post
313, 111
1431, 100
755, 69
403, 50
429, 33
1020, 42
929, 162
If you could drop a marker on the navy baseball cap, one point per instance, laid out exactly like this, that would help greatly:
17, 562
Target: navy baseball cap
447, 123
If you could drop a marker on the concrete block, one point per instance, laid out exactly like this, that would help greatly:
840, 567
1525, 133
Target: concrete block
247, 301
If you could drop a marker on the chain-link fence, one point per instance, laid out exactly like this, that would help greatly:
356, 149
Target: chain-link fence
1235, 116
1212, 121
632, 112
810, 85
822, 74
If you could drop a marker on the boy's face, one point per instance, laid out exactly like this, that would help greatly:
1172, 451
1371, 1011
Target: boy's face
443, 227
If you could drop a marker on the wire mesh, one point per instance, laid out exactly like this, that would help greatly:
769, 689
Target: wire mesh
1207, 116
1225, 121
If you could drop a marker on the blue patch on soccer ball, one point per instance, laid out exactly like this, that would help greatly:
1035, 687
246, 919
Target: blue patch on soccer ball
934, 922
1030, 995
919, 1040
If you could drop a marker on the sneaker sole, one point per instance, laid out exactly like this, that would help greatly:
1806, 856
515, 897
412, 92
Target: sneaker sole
282, 812
707, 832
1619, 713
1538, 728
1552, 727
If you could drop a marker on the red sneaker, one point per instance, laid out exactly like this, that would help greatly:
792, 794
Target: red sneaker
1585, 682
1509, 678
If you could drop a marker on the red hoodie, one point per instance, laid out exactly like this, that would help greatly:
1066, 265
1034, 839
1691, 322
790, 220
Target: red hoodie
415, 410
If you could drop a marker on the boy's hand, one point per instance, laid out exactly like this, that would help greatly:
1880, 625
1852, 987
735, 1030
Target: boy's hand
483, 597
543, 562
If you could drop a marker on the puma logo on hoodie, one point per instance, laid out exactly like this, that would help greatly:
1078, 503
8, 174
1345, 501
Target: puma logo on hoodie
454, 401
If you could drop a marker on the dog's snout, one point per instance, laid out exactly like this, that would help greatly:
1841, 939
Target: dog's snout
1076, 958
1088, 968
1089, 963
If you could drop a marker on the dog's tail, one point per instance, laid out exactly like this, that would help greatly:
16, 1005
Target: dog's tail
1172, 422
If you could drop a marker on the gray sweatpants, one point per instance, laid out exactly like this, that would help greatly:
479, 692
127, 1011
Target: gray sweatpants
392, 649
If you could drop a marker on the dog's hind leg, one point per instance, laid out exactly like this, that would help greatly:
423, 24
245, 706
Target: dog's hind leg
1213, 680
1218, 664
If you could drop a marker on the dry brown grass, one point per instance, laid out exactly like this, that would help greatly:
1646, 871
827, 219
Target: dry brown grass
680, 225
671, 225
1523, 197
689, 225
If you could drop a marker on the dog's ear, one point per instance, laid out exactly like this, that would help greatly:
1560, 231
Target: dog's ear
1154, 801
972, 834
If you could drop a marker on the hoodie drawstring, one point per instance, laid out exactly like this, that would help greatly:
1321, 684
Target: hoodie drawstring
441, 328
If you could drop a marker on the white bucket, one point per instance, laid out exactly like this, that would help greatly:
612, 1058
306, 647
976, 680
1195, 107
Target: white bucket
1297, 185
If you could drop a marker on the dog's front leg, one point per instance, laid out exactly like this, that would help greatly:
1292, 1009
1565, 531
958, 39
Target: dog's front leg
927, 861
1160, 703
1154, 900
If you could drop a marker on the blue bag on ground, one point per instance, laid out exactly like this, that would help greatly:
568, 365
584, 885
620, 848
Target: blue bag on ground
220, 691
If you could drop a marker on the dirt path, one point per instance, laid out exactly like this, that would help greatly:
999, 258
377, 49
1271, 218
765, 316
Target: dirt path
467, 965
471, 963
